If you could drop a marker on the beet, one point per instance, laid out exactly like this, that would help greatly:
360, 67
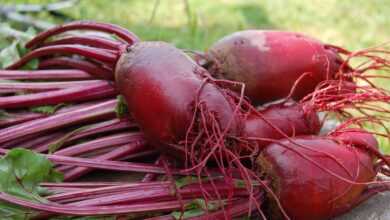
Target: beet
307, 190
163, 88
270, 62
281, 120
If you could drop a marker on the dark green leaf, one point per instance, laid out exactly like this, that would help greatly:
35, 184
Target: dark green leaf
6, 31
121, 108
3, 114
16, 48
195, 208
184, 181
187, 214
21, 172
9, 55
239, 184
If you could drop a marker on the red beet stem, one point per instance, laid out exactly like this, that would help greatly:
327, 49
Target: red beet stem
152, 176
98, 90
161, 193
45, 86
88, 113
126, 35
90, 52
32, 141
16, 118
93, 41
112, 140
238, 208
107, 164
115, 154
59, 74
94, 129
94, 210
104, 190
38, 139
87, 66
81, 184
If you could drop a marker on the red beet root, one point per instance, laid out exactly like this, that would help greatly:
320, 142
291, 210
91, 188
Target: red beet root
270, 62
279, 121
163, 88
313, 191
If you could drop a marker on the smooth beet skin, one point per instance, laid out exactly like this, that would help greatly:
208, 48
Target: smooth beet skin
305, 190
270, 62
279, 121
163, 88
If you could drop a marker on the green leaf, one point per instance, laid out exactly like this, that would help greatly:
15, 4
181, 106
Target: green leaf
3, 114
187, 214
9, 55
195, 208
6, 31
121, 108
21, 172
47, 109
16, 48
32, 64
14, 52
184, 181
240, 184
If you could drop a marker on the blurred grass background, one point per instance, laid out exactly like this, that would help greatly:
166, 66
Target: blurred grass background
196, 24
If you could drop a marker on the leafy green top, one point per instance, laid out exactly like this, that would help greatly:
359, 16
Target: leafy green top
21, 172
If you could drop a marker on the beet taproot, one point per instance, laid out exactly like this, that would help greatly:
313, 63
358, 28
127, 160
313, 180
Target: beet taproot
327, 187
271, 62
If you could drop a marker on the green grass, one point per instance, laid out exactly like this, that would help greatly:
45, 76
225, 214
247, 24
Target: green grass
351, 23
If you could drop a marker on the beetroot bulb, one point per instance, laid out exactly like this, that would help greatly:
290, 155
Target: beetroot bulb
277, 64
280, 120
321, 177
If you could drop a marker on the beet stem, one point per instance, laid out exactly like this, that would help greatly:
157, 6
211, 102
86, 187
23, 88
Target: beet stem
89, 52
76, 94
87, 113
45, 86
84, 65
58, 74
126, 35
92, 41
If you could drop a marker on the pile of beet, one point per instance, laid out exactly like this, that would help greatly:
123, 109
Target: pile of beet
144, 130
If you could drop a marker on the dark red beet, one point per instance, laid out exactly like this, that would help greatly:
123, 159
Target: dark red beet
163, 88
290, 120
307, 191
270, 62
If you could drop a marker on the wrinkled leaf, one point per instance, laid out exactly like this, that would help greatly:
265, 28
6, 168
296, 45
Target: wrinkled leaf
15, 48
21, 172
9, 55
6, 31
